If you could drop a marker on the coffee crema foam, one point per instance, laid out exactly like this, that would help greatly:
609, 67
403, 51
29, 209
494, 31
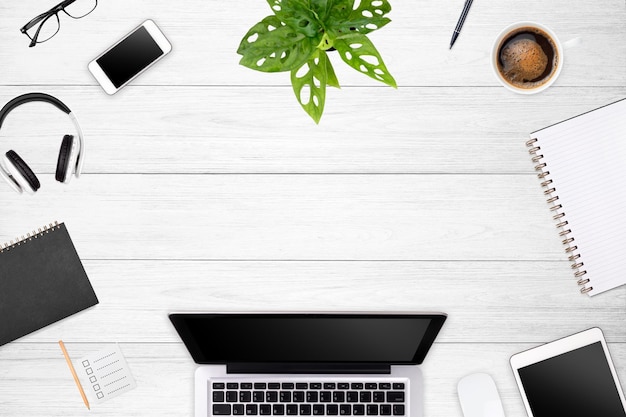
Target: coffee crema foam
527, 58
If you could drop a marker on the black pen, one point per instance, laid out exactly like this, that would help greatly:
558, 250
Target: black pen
459, 24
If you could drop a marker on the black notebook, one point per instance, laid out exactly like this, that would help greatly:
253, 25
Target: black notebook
41, 281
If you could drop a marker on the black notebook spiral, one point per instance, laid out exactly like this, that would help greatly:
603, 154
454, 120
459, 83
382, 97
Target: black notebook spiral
42, 280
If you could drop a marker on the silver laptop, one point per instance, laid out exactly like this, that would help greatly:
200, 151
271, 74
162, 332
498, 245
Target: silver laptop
317, 364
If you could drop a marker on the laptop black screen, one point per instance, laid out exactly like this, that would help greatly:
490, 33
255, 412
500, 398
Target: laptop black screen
308, 338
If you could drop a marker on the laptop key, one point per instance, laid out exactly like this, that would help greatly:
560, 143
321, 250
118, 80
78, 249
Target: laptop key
345, 409
287, 385
292, 409
372, 409
315, 385
332, 409
221, 409
219, 385
398, 385
329, 385
398, 409
325, 396
379, 397
371, 385
278, 409
271, 396
385, 410
365, 396
232, 385
265, 409
311, 396
298, 396
218, 396
352, 397
358, 410
384, 385
343, 385
231, 396
318, 410
246, 385
273, 385
245, 396
356, 385
339, 396
395, 396
305, 409
238, 409
302, 385
258, 396
252, 410
285, 396
260, 385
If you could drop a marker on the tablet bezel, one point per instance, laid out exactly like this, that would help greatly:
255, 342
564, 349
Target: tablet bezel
556, 348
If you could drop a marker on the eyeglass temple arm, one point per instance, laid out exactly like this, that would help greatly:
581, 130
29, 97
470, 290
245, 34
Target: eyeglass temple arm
33, 40
33, 22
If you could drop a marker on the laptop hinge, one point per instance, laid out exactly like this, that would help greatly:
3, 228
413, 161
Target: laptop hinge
307, 368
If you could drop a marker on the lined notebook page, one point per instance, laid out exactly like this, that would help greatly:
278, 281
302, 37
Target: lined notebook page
586, 160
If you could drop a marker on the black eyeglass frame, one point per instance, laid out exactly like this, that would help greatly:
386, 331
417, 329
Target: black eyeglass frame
43, 18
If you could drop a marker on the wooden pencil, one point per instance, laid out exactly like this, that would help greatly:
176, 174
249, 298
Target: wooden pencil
78, 384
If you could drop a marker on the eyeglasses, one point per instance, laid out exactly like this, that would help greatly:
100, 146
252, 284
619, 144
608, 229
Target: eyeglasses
46, 25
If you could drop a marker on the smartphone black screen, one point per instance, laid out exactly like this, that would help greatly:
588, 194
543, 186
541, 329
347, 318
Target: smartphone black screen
129, 57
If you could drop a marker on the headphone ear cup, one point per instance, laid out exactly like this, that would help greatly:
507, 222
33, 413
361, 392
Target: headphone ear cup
22, 173
63, 163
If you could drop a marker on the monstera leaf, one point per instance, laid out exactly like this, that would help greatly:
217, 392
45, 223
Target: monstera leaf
272, 46
359, 52
300, 32
309, 83
367, 17
298, 15
340, 10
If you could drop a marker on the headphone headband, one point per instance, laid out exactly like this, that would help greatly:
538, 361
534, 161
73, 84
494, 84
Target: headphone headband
27, 98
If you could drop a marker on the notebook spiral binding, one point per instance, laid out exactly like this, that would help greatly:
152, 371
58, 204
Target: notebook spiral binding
35, 234
559, 216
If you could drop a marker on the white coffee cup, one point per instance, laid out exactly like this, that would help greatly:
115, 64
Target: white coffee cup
504, 34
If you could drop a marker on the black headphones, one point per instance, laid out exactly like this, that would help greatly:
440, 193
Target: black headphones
18, 174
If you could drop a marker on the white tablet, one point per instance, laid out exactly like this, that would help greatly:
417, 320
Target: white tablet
572, 377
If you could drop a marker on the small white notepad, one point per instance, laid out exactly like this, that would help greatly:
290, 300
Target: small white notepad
582, 163
105, 374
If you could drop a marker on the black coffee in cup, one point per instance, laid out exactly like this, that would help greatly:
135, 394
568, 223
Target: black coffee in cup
527, 57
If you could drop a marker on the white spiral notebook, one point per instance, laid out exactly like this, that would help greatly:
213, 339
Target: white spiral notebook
582, 166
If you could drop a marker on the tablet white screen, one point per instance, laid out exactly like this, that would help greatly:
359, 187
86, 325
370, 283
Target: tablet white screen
578, 383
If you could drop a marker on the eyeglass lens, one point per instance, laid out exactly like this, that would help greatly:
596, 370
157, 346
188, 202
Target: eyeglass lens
80, 8
44, 30
50, 25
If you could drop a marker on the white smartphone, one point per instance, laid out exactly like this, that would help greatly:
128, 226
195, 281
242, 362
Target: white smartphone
129, 57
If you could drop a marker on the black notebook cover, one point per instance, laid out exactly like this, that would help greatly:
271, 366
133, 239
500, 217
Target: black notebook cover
41, 281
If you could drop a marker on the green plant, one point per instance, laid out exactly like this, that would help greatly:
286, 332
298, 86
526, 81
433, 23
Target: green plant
300, 32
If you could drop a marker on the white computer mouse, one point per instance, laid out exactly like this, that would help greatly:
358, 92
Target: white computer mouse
479, 396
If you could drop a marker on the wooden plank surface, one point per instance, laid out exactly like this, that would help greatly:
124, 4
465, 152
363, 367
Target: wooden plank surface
317, 217
222, 129
206, 187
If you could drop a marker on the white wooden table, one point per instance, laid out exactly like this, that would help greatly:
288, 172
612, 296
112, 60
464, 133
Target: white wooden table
206, 187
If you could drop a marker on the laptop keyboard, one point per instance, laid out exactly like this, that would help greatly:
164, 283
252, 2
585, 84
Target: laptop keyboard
299, 398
